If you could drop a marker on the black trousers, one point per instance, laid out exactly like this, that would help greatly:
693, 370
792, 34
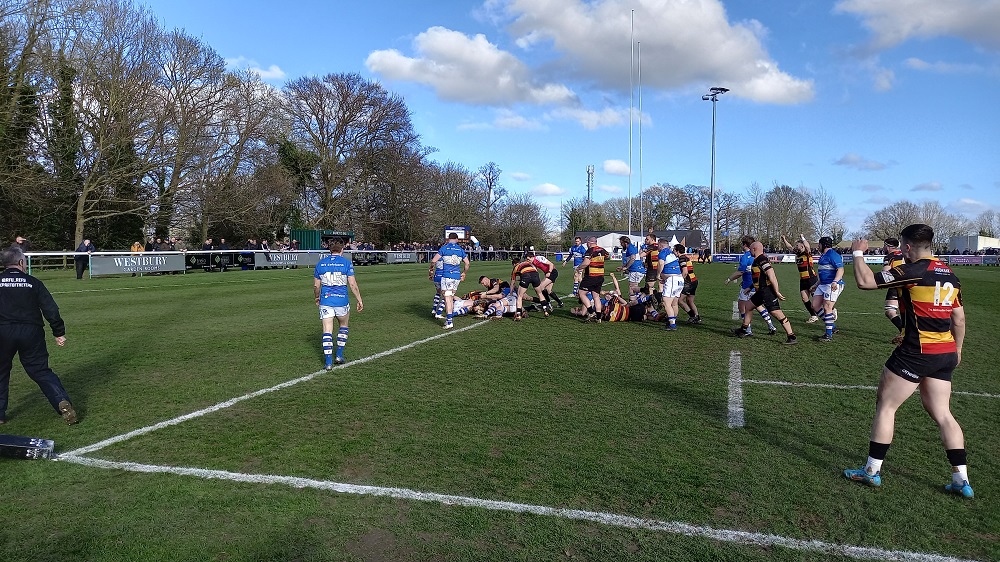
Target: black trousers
27, 341
81, 266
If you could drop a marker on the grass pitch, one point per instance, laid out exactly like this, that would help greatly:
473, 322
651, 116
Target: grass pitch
612, 419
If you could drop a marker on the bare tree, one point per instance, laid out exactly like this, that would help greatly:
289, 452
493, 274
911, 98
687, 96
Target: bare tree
988, 223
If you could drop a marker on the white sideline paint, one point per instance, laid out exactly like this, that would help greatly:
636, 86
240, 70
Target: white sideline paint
737, 416
856, 387
610, 519
736, 310
222, 405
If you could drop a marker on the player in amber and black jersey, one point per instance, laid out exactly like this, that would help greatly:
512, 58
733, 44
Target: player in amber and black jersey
527, 276
593, 279
766, 293
807, 272
930, 298
690, 287
893, 258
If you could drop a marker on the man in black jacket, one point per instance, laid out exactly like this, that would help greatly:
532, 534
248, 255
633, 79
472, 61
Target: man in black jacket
23, 302
83, 261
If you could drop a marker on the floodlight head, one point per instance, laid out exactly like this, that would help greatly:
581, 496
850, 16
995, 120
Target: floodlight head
718, 90
706, 97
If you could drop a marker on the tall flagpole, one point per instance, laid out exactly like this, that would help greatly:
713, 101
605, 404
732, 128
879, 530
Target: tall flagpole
642, 186
631, 88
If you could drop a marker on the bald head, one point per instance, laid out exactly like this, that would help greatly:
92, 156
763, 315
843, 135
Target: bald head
756, 249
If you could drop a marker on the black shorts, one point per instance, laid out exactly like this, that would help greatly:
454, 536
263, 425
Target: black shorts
592, 283
553, 275
806, 283
767, 298
690, 288
913, 367
529, 279
892, 295
637, 312
651, 275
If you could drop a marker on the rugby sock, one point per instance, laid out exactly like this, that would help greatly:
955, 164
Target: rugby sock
437, 303
328, 348
767, 318
691, 313
551, 295
959, 468
672, 320
809, 308
897, 321
828, 320
576, 289
341, 341
876, 454
461, 311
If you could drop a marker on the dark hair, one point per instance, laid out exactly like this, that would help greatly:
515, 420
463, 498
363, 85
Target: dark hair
452, 236
918, 234
826, 242
679, 247
892, 242
336, 246
482, 277
746, 240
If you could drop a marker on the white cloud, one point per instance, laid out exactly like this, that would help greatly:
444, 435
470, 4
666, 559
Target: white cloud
928, 186
616, 167
684, 44
893, 22
467, 69
591, 119
505, 119
968, 206
272, 72
547, 189
943, 67
883, 79
856, 161
877, 201
520, 176
609, 188
872, 187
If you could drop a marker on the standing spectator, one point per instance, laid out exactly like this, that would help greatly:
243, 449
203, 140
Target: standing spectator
22, 243
208, 246
224, 257
23, 302
333, 275
83, 261
137, 248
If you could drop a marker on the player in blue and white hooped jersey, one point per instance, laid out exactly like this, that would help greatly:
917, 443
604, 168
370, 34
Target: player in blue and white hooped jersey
576, 252
452, 256
435, 276
632, 265
331, 279
671, 281
830, 270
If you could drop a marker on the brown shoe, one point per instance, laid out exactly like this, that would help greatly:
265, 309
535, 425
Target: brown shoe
67, 412
897, 340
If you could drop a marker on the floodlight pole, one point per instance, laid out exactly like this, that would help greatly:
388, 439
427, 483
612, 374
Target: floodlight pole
713, 96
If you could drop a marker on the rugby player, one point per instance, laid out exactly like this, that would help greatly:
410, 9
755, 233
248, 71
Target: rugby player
592, 269
496, 289
331, 278
650, 255
690, 285
452, 273
933, 334
671, 282
744, 272
767, 293
548, 275
632, 265
893, 258
526, 275
829, 285
435, 276
576, 252
807, 273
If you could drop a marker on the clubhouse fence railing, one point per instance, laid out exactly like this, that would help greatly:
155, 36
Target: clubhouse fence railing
121, 263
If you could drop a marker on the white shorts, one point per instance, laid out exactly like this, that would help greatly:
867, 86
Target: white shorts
672, 286
830, 291
334, 312
636, 277
745, 294
449, 286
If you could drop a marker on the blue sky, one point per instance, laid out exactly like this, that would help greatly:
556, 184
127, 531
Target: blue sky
874, 100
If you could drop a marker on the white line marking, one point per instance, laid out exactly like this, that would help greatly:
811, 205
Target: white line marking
736, 413
856, 387
736, 310
222, 405
611, 519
